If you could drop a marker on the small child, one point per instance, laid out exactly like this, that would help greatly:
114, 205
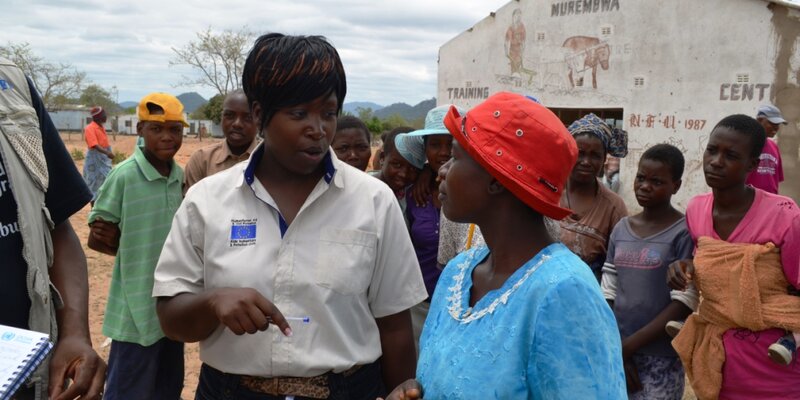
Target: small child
641, 248
352, 142
130, 220
396, 169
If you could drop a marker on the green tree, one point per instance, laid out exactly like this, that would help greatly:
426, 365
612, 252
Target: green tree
57, 82
217, 57
373, 123
393, 121
211, 110
95, 95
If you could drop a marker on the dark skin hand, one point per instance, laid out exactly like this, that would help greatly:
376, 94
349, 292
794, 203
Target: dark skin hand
632, 381
190, 317
399, 360
73, 357
408, 390
424, 186
680, 274
108, 154
104, 237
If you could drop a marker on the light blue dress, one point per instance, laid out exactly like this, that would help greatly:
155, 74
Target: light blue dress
547, 333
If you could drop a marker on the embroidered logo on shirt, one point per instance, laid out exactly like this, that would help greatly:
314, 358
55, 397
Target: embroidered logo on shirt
243, 232
5, 85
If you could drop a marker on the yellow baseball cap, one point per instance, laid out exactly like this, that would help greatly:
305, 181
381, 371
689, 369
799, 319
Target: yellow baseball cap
173, 109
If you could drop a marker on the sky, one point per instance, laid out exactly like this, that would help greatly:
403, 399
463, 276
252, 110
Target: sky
389, 48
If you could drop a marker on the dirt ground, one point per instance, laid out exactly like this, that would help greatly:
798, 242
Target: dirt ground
100, 265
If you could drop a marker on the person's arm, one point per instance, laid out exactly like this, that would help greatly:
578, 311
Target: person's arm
421, 191
580, 356
399, 360
73, 357
90, 134
104, 237
408, 390
190, 317
654, 330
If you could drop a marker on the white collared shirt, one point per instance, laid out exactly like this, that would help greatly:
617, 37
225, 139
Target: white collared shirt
345, 260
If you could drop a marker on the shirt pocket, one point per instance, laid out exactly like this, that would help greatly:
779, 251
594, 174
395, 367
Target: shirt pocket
345, 260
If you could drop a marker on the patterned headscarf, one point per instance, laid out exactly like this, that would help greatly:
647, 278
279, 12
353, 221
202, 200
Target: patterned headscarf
614, 140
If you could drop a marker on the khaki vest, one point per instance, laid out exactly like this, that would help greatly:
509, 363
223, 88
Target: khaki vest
26, 167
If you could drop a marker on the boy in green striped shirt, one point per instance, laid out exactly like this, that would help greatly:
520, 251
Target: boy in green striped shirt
130, 220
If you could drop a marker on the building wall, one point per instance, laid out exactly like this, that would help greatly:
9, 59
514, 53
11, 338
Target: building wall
675, 68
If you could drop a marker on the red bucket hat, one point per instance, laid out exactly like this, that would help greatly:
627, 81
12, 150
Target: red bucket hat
522, 144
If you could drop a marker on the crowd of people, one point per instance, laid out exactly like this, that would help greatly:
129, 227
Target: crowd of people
478, 257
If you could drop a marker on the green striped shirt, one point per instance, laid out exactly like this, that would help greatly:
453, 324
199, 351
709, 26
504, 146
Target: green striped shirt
142, 202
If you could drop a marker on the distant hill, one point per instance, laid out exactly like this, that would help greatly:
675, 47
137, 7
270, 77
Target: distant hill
127, 104
191, 101
406, 111
353, 107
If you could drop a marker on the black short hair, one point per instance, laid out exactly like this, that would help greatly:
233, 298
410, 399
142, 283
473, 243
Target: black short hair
388, 140
283, 71
668, 155
351, 122
747, 126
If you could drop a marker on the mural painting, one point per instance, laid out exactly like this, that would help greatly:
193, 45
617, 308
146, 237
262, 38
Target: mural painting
514, 46
587, 53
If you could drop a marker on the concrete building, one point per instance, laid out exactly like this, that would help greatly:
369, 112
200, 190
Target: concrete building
665, 71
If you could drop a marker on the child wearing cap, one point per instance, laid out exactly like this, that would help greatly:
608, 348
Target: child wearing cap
747, 256
596, 209
130, 220
522, 317
395, 169
293, 238
640, 249
433, 144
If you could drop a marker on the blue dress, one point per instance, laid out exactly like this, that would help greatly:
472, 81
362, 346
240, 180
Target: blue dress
547, 333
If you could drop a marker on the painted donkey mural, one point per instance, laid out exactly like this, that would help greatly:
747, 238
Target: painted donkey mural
587, 52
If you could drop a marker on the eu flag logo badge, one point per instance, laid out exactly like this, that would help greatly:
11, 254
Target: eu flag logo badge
243, 232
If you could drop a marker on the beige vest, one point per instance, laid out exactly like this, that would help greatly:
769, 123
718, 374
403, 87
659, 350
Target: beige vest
26, 167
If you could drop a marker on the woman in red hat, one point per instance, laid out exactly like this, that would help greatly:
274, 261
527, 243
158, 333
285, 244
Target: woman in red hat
596, 209
521, 317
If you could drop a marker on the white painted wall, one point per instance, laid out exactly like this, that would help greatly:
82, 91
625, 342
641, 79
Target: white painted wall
685, 50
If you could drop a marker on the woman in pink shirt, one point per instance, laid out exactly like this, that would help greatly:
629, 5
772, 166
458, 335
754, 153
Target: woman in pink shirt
738, 213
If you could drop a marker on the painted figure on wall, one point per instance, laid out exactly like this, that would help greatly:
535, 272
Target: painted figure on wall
515, 45
587, 52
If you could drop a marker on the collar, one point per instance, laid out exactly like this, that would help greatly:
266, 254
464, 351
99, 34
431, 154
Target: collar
331, 163
226, 153
149, 171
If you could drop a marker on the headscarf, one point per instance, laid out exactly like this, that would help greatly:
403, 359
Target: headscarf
95, 111
614, 140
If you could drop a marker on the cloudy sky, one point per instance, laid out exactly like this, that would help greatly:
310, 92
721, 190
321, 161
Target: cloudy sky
389, 47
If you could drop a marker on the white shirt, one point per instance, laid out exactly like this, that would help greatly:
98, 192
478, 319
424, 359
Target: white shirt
345, 260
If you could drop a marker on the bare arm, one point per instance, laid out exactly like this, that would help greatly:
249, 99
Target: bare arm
655, 328
104, 237
73, 357
399, 361
189, 317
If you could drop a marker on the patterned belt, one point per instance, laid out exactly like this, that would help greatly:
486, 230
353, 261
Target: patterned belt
315, 387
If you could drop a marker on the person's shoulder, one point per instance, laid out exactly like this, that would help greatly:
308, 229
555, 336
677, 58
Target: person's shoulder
125, 169
358, 181
776, 203
228, 178
610, 196
699, 201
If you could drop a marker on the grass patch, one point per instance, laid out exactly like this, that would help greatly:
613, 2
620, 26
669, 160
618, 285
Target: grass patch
118, 157
77, 154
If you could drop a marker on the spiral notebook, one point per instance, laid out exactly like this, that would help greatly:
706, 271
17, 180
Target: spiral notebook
21, 351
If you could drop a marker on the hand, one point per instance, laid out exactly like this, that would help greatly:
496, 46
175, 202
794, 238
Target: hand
74, 359
632, 377
408, 390
421, 190
680, 274
627, 348
105, 232
245, 310
110, 155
